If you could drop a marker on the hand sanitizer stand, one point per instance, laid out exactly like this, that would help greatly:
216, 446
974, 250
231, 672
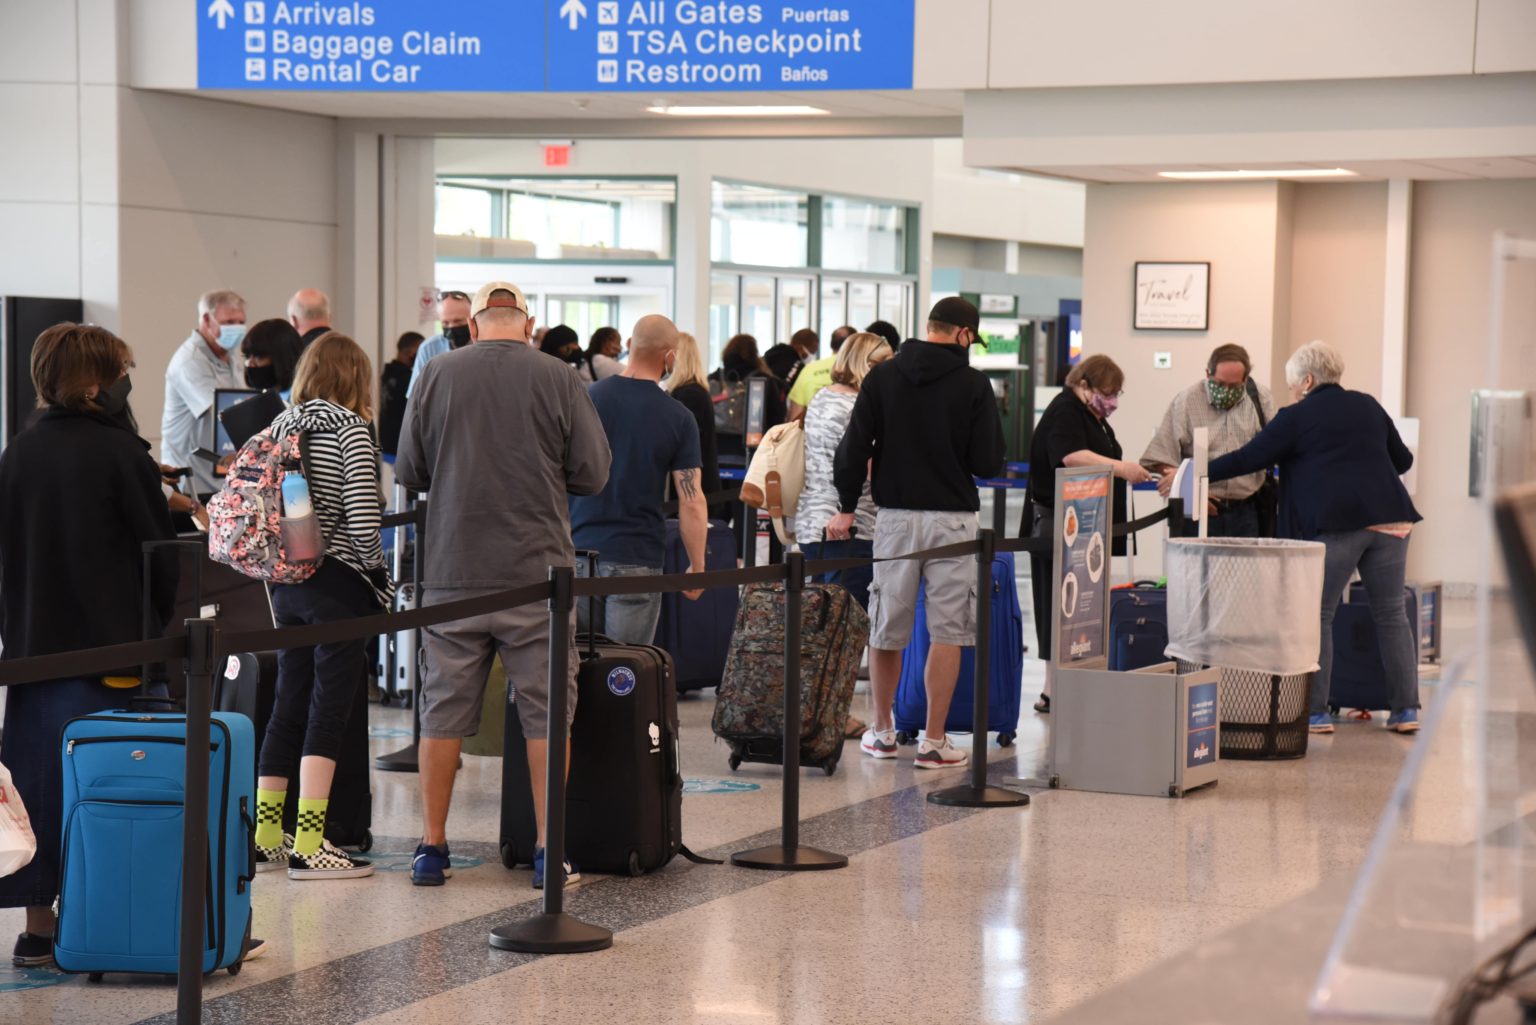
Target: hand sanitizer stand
1154, 731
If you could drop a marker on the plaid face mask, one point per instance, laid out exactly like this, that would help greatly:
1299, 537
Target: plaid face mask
1223, 396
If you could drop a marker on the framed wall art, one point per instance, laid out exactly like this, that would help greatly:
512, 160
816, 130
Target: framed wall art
1172, 296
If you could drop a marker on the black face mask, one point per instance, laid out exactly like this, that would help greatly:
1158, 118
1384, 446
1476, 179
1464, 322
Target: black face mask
261, 378
458, 337
114, 398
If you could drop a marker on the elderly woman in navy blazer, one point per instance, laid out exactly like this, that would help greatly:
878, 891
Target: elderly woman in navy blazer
1341, 462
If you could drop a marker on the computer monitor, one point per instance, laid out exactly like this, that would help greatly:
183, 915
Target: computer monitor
250, 416
1514, 513
223, 398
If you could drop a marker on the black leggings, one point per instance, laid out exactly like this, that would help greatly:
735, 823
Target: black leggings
316, 686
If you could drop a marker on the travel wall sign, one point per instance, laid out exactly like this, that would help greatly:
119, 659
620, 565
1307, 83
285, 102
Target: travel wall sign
581, 46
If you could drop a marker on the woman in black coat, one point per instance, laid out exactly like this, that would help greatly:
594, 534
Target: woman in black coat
82, 495
1074, 430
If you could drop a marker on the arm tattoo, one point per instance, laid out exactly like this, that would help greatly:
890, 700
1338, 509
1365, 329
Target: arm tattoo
686, 485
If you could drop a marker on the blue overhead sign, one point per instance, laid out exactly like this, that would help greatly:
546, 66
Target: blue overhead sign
715, 45
554, 45
385, 45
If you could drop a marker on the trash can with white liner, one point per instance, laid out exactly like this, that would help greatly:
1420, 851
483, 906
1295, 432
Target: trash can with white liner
1251, 607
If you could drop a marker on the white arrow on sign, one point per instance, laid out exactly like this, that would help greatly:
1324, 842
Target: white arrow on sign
222, 10
574, 10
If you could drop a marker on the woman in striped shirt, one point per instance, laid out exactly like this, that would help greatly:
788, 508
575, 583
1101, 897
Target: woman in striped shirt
316, 686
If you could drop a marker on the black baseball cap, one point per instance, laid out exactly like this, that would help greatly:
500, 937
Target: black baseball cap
957, 312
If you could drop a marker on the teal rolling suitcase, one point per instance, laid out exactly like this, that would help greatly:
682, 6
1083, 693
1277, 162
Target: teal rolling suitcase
120, 887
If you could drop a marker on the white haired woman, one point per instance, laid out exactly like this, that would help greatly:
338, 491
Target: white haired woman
1341, 462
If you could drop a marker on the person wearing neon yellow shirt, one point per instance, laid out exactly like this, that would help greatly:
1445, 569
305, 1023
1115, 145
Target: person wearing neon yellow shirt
815, 376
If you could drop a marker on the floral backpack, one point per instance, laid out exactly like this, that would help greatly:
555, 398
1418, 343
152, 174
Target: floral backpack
245, 519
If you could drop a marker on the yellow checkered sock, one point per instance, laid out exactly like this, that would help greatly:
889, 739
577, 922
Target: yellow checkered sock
269, 817
310, 829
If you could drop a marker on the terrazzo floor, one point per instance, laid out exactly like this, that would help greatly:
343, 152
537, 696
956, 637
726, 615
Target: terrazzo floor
943, 915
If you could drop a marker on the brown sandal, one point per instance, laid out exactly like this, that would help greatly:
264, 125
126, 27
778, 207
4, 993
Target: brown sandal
855, 729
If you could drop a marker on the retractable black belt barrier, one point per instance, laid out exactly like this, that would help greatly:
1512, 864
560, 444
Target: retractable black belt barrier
554, 932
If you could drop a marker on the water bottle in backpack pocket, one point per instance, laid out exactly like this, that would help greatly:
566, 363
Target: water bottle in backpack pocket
302, 541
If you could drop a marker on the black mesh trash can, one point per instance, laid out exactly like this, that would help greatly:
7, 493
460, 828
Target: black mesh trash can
1264, 715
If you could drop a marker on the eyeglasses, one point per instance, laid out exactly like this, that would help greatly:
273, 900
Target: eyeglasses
455, 294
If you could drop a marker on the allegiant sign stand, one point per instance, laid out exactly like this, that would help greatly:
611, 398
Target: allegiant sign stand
586, 46
1152, 731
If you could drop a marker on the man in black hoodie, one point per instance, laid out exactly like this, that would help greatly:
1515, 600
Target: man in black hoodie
927, 424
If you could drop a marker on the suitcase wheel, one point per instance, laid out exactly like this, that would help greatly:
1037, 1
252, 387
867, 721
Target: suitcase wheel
735, 761
508, 856
903, 737
634, 864
366, 843
1005, 739
94, 976
234, 969
829, 767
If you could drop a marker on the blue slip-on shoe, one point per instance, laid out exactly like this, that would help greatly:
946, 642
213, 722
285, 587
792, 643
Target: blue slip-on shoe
1320, 723
572, 873
430, 867
1406, 721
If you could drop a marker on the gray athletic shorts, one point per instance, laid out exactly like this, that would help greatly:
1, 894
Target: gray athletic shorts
459, 656
949, 585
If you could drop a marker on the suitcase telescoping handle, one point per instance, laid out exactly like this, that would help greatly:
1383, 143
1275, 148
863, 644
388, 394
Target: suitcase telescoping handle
591, 556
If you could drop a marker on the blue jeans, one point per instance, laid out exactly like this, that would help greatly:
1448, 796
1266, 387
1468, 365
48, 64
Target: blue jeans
35, 714
855, 581
1382, 561
625, 618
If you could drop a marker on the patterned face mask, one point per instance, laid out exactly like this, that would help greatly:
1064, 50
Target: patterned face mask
1223, 396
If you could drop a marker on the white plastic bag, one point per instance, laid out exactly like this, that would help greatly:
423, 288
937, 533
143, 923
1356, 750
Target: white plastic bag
17, 844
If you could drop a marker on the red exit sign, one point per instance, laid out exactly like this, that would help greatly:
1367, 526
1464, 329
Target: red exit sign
557, 156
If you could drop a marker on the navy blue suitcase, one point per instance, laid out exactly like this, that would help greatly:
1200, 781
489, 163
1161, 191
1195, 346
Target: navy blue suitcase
1359, 679
1007, 667
120, 878
1138, 627
697, 634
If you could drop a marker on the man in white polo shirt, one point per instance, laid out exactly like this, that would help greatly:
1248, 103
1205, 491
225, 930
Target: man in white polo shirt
207, 361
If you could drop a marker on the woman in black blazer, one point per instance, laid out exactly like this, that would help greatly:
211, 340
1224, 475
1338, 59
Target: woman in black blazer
1341, 462
82, 495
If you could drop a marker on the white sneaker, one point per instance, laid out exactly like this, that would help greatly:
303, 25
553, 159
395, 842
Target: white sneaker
878, 743
329, 862
269, 858
940, 755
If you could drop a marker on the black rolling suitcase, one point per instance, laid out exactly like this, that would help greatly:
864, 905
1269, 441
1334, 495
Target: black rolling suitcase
697, 634
624, 796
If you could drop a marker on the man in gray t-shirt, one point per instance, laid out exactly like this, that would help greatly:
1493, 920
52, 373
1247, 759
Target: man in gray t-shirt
500, 434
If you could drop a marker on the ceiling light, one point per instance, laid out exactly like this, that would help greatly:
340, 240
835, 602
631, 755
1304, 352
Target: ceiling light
785, 111
1298, 172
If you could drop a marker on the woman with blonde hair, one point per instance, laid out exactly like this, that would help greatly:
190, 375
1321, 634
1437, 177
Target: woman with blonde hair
688, 383
822, 531
316, 686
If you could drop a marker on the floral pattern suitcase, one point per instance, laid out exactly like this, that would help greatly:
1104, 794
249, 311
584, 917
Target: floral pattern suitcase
749, 711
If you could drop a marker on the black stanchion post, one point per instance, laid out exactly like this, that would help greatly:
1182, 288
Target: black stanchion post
201, 654
1000, 511
552, 931
408, 759
749, 536
977, 794
788, 855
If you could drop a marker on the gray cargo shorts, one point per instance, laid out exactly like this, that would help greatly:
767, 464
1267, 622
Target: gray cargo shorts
948, 585
459, 656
